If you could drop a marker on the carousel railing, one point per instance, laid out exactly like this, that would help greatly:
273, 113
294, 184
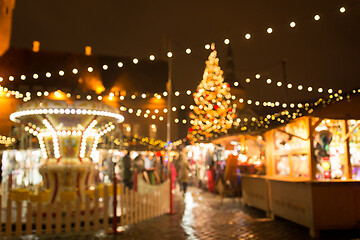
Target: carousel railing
24, 215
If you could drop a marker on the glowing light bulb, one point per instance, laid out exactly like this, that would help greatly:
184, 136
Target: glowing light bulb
342, 9
135, 61
226, 41
105, 67
292, 24
188, 50
257, 76
320, 90
247, 36
207, 46
35, 76
61, 73
269, 30
169, 54
289, 85
317, 17
268, 80
120, 64
75, 71
152, 57
279, 84
247, 80
23, 77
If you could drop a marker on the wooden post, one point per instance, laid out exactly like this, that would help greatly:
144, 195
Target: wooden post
96, 210
122, 204
58, 218
8, 218
114, 220
77, 215
87, 213
312, 160
131, 207
348, 166
140, 207
0, 215
28, 227
68, 217
39, 219
48, 229
127, 201
106, 209
18, 228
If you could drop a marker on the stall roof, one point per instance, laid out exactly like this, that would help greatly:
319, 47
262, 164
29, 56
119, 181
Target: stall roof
348, 108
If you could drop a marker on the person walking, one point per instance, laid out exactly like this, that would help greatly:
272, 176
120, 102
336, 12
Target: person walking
127, 173
183, 169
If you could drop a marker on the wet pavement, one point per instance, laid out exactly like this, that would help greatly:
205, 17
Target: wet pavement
202, 215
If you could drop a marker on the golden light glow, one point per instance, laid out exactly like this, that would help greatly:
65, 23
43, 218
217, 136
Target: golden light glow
268, 80
247, 36
247, 80
152, 57
61, 73
226, 41
105, 67
320, 90
177, 93
269, 30
257, 76
35, 76
292, 24
75, 71
169, 54
289, 85
23, 77
279, 84
188, 50
11, 78
120, 64
317, 17
90, 69
135, 61
207, 46
342, 9
300, 87
188, 92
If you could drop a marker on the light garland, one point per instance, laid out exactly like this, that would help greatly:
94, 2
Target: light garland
14, 116
7, 140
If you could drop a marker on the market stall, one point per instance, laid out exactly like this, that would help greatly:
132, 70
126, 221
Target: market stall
312, 170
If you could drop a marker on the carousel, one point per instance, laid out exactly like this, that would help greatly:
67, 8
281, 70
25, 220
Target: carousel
68, 134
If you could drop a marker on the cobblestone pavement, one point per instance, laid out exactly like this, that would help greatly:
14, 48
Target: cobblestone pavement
202, 215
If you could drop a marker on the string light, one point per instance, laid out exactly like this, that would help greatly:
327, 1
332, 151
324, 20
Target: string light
269, 30
342, 9
135, 61
169, 54
188, 50
227, 41
120, 64
247, 36
317, 17
292, 24
152, 57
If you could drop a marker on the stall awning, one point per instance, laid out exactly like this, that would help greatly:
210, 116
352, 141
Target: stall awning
348, 108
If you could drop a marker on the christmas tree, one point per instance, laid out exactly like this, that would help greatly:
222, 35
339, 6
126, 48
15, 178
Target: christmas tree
213, 113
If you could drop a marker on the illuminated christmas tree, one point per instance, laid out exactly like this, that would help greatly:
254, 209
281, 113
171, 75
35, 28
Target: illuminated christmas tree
213, 113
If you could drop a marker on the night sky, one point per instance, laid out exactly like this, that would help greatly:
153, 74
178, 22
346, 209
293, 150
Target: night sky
322, 53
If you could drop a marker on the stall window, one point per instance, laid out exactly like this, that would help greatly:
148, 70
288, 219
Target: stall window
329, 149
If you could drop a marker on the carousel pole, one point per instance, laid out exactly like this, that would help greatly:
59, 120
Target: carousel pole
168, 125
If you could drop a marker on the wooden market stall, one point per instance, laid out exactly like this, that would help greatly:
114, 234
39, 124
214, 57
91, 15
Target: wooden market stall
312, 169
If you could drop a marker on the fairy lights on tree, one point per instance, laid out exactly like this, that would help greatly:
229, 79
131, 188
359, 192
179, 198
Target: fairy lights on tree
213, 112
